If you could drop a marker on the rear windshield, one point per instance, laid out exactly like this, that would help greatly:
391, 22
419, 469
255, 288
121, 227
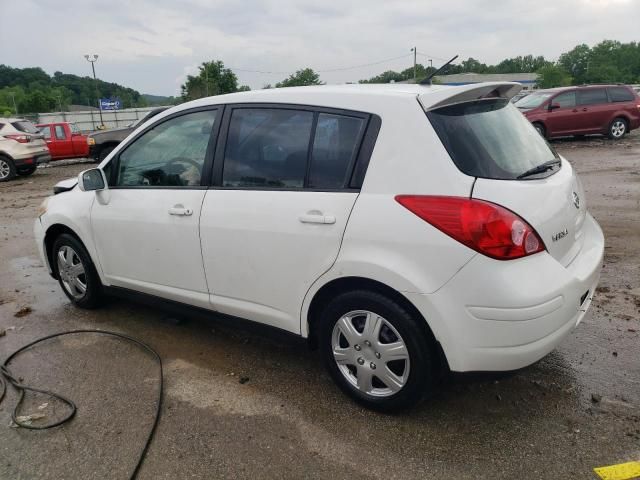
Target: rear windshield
491, 139
26, 127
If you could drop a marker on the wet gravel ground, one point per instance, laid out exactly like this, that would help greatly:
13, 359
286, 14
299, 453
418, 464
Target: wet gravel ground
244, 403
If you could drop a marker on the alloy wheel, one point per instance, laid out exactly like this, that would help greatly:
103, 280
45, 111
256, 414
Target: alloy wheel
370, 353
618, 129
71, 271
5, 169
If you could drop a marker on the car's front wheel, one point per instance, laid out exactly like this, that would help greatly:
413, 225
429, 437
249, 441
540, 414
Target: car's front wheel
75, 271
540, 129
617, 129
375, 350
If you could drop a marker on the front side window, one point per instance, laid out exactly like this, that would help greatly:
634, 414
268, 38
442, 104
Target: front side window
267, 148
565, 100
592, 96
335, 145
171, 154
74, 128
60, 134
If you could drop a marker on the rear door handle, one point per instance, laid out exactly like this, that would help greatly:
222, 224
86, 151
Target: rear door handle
180, 211
317, 217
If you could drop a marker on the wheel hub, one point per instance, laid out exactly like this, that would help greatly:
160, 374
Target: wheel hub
370, 353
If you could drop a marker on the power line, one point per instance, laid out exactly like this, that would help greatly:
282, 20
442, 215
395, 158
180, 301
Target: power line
326, 70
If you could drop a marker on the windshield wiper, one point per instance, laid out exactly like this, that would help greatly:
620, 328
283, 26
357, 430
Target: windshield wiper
543, 167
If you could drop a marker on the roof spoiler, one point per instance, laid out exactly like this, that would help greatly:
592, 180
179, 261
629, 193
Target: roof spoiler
469, 93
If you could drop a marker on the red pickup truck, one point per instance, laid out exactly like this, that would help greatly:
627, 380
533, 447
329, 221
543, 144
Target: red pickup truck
64, 140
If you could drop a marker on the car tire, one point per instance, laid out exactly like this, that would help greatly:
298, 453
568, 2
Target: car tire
540, 129
76, 272
27, 171
7, 169
618, 128
363, 365
104, 152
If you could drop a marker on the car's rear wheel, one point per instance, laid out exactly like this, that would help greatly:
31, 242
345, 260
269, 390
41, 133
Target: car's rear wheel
540, 129
7, 169
617, 129
75, 271
27, 171
375, 350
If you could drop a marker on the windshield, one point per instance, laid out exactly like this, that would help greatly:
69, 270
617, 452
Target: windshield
491, 139
532, 101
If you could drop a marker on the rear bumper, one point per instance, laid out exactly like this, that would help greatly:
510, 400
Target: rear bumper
28, 161
498, 316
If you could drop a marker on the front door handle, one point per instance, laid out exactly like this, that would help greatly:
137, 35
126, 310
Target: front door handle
315, 216
180, 211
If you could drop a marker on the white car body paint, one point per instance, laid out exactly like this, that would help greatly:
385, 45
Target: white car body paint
247, 253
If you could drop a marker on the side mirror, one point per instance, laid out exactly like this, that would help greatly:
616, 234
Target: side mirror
92, 180
553, 106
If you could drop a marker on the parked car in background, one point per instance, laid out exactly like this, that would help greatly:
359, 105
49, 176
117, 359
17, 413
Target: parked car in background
103, 142
611, 110
398, 227
22, 148
520, 95
64, 140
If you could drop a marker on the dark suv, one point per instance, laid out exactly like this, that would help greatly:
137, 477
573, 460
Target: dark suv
612, 110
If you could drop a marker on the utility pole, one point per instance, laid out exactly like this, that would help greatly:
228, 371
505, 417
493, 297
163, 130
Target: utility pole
93, 59
206, 80
415, 74
13, 97
431, 63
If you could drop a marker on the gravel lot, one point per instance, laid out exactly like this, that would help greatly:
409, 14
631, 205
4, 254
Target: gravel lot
577, 409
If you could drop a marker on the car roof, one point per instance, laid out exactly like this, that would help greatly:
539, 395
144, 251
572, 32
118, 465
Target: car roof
578, 87
362, 97
9, 120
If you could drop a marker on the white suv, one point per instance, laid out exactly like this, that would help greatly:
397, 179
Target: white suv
22, 148
401, 228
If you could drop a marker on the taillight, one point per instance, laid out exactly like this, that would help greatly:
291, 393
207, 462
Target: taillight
19, 138
483, 226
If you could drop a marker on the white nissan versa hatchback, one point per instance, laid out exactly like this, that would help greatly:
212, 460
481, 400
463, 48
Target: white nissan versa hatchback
401, 228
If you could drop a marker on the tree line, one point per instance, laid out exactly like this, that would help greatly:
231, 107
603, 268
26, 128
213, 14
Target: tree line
31, 90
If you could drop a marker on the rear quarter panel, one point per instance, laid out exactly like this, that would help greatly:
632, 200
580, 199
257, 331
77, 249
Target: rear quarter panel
384, 241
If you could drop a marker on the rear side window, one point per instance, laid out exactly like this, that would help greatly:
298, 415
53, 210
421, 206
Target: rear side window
592, 96
565, 100
26, 127
490, 139
267, 148
335, 147
620, 94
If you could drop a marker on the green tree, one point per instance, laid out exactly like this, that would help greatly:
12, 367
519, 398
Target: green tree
551, 76
213, 79
303, 77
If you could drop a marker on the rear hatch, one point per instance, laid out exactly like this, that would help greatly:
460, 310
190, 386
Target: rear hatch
488, 138
36, 139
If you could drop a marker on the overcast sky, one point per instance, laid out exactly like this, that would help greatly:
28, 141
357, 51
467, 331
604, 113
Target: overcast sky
150, 45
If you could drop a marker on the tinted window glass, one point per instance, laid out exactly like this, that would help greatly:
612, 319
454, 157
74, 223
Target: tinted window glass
592, 96
620, 94
24, 126
267, 148
46, 131
60, 135
565, 100
335, 144
490, 139
170, 154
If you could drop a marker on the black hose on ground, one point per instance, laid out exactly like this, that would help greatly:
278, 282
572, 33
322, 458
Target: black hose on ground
7, 377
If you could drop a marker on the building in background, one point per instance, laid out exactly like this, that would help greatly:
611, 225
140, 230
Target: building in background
528, 80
